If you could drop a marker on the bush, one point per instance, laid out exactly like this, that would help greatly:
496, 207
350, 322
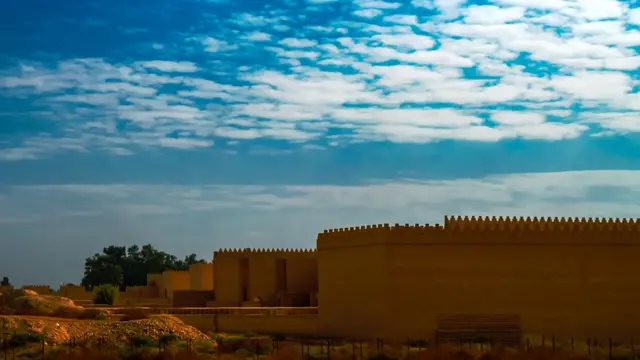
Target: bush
244, 353
22, 339
167, 339
106, 294
379, 357
142, 341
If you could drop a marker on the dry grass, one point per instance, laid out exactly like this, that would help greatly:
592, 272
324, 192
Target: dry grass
253, 347
292, 351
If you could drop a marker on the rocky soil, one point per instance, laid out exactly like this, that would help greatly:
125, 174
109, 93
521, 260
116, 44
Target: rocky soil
58, 330
60, 320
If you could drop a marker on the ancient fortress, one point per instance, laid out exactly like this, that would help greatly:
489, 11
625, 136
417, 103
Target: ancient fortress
561, 277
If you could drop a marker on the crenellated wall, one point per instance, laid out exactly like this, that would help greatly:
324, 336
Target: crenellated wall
75, 292
563, 277
242, 275
569, 277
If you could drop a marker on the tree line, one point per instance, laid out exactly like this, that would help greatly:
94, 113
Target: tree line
122, 267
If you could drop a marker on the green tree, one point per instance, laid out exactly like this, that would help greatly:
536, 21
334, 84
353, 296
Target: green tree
5, 281
106, 294
121, 266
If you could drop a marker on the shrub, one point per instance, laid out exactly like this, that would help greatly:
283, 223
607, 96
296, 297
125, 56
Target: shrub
167, 339
244, 353
106, 294
379, 357
142, 341
22, 339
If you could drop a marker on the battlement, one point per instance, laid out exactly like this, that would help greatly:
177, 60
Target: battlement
262, 251
489, 230
481, 223
37, 287
381, 227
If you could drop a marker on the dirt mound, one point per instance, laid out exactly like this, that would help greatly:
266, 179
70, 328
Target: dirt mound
154, 328
44, 305
9, 295
57, 331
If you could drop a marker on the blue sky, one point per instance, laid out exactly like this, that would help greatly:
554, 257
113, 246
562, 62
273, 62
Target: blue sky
200, 124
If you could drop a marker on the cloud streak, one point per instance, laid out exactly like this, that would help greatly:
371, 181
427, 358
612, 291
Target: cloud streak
577, 193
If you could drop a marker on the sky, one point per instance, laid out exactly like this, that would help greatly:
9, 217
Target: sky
203, 124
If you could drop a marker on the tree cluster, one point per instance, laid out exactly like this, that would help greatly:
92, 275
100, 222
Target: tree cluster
5, 281
121, 266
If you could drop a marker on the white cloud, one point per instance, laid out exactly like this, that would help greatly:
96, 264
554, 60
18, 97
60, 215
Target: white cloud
214, 45
402, 19
169, 66
517, 118
386, 73
377, 4
490, 14
298, 43
593, 85
259, 36
633, 16
449, 8
411, 41
368, 13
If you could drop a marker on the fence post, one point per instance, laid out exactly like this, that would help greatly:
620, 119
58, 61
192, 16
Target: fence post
553, 344
610, 349
633, 350
589, 346
572, 345
329, 349
595, 347
543, 340
528, 346
353, 351
301, 350
2, 340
